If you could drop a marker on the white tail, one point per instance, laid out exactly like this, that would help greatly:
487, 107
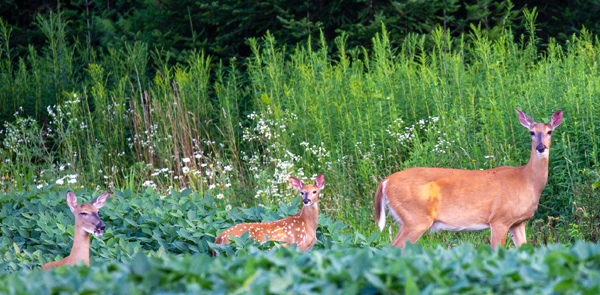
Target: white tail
87, 222
501, 199
300, 229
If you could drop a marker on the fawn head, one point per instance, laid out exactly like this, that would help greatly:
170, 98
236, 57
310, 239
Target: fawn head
309, 192
86, 215
540, 132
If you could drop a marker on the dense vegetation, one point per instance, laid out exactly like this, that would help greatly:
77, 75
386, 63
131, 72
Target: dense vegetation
464, 270
155, 244
190, 143
357, 116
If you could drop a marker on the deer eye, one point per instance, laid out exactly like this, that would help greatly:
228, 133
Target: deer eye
84, 213
549, 132
314, 192
531, 132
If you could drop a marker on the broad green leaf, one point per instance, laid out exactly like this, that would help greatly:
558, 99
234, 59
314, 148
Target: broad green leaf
140, 264
410, 287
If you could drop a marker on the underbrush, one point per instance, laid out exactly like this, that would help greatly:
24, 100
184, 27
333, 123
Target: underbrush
37, 227
464, 270
157, 242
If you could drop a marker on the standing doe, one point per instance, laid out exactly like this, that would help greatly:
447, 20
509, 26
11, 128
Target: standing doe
500, 199
87, 222
300, 228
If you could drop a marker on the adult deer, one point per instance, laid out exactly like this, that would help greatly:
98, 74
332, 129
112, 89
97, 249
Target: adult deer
500, 199
300, 229
87, 222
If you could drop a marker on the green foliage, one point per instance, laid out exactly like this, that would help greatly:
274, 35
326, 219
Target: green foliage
162, 243
210, 145
34, 225
239, 133
464, 269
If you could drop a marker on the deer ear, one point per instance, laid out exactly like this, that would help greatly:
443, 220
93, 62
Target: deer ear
296, 183
320, 181
556, 119
524, 119
71, 200
99, 201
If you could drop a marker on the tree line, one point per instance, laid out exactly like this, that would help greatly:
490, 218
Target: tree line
221, 28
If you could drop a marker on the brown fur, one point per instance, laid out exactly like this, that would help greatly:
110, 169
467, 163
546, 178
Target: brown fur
501, 199
86, 220
300, 229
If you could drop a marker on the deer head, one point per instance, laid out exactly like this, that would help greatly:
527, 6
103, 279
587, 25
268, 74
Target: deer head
309, 192
540, 132
86, 215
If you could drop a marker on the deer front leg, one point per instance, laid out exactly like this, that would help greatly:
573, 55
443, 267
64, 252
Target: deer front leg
518, 235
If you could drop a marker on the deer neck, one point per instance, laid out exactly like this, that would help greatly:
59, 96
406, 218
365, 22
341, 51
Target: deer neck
81, 246
310, 215
537, 170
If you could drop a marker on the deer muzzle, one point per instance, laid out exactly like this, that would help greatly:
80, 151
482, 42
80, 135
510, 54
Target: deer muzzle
99, 228
541, 148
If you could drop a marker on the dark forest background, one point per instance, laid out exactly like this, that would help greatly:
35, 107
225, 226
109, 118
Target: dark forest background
221, 28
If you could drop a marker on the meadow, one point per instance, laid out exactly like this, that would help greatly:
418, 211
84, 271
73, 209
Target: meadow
190, 149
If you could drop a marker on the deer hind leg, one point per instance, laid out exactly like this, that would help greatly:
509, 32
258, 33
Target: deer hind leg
517, 233
499, 232
411, 231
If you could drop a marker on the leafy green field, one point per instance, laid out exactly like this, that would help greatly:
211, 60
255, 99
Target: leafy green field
161, 245
465, 270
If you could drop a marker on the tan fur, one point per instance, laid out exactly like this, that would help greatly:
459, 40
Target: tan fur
300, 229
502, 198
80, 250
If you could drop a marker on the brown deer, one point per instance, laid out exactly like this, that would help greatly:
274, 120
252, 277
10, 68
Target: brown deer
500, 199
87, 222
300, 229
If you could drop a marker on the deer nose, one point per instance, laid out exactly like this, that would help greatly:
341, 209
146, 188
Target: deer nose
101, 226
541, 148
306, 201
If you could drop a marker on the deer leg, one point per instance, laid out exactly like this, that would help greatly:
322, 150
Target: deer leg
517, 233
499, 232
411, 232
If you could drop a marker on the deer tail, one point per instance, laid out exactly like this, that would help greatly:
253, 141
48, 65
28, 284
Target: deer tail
380, 203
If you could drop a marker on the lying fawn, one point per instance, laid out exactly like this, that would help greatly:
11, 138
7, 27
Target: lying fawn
87, 222
300, 229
